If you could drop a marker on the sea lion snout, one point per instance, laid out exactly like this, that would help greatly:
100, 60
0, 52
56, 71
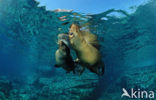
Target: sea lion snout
64, 38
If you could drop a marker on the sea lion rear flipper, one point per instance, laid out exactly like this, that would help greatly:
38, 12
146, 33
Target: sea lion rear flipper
100, 69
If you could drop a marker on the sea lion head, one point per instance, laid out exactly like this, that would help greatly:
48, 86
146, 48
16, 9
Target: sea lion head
74, 31
63, 47
74, 35
64, 37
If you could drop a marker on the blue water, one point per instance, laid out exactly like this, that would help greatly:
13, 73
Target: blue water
28, 36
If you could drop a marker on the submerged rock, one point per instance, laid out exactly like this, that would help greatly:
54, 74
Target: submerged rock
5, 87
68, 86
2, 96
59, 87
142, 78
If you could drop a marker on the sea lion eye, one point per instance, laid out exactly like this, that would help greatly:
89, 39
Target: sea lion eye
70, 33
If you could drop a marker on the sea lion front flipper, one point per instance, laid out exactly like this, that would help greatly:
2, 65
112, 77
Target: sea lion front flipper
100, 69
77, 61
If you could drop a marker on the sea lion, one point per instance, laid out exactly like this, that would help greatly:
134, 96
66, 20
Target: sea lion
63, 57
87, 50
64, 37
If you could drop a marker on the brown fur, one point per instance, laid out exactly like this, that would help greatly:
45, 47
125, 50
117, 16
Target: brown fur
63, 58
86, 46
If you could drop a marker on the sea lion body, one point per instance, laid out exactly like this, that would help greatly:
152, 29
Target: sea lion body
63, 57
87, 54
86, 47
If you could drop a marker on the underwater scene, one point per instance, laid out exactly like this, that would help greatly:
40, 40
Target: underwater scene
67, 55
